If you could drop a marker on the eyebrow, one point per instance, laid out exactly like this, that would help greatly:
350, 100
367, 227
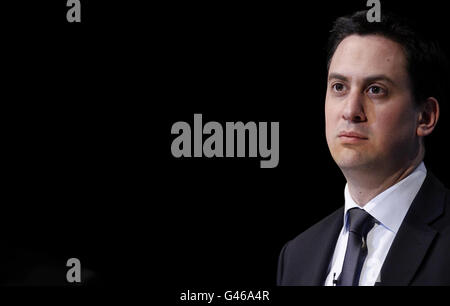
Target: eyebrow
369, 79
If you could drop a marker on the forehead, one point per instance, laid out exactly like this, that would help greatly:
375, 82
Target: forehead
359, 56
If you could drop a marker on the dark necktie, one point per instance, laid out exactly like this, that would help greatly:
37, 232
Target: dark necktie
360, 223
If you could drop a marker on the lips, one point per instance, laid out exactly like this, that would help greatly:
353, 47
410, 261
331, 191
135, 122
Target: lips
351, 137
352, 134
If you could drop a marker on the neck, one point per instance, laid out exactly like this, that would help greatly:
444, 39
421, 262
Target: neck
365, 186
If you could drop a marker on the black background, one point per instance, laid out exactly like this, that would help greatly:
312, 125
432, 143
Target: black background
88, 110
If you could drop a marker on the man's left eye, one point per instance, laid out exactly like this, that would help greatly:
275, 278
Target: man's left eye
376, 90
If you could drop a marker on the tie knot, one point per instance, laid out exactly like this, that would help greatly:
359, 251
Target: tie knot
360, 222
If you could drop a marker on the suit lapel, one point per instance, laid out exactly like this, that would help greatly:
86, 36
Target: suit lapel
415, 235
406, 255
323, 249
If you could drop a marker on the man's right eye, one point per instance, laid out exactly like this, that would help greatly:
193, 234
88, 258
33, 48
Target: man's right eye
338, 87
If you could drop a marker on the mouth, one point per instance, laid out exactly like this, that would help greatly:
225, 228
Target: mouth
352, 137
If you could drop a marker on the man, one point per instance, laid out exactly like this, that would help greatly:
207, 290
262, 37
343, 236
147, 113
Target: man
383, 92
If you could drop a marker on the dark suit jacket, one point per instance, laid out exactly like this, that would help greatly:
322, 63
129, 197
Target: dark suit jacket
419, 254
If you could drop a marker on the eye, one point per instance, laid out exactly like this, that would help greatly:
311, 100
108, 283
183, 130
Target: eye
338, 87
376, 90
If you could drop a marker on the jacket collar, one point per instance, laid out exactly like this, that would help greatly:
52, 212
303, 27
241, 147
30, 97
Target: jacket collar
415, 235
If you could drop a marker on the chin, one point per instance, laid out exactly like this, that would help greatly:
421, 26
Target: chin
361, 163
351, 161
349, 165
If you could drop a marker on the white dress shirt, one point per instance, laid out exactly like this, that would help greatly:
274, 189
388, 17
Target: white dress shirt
389, 209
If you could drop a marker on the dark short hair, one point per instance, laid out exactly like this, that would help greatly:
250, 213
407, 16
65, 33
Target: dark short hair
427, 64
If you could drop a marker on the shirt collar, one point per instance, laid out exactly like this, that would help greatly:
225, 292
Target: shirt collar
390, 206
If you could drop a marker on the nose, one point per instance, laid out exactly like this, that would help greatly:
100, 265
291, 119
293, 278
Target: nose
354, 108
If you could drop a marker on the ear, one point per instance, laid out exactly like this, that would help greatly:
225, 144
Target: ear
428, 116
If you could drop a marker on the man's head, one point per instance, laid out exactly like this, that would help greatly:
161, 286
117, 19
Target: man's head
383, 88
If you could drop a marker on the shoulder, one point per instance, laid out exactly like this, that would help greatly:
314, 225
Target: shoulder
303, 258
329, 225
432, 204
443, 222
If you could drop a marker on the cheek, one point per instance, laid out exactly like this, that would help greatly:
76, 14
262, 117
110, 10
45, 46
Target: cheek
331, 122
393, 127
330, 111
329, 119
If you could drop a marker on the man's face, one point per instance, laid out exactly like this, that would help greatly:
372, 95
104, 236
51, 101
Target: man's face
370, 116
